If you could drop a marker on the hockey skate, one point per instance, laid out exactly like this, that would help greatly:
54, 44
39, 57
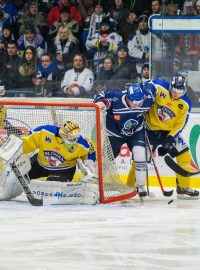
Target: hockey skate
141, 191
187, 193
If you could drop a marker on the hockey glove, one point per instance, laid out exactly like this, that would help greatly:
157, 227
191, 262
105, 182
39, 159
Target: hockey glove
169, 146
161, 151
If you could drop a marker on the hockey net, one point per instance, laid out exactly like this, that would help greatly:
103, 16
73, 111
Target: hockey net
25, 114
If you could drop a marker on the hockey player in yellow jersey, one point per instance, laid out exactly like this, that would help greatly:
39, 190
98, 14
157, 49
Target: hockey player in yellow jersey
58, 151
165, 121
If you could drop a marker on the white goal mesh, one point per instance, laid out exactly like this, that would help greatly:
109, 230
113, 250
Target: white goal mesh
24, 114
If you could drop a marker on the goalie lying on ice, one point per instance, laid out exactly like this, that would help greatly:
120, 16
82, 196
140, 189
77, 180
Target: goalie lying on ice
59, 151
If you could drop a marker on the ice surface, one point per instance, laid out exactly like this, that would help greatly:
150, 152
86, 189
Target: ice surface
131, 235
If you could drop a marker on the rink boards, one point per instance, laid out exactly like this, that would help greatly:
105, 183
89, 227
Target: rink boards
191, 134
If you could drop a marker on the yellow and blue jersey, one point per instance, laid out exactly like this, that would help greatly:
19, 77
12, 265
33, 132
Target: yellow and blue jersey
166, 113
53, 153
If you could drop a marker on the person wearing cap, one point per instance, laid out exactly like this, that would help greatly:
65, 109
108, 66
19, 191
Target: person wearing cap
125, 117
34, 18
54, 13
65, 20
31, 38
144, 75
139, 42
124, 68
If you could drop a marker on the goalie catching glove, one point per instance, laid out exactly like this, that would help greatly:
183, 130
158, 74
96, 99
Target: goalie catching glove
88, 168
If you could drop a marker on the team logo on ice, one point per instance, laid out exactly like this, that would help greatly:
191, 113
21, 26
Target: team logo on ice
164, 113
129, 127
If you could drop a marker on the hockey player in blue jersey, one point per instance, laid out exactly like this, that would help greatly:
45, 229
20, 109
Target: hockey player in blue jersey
126, 112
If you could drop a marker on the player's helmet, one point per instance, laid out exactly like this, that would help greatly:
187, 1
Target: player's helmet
70, 132
179, 84
135, 94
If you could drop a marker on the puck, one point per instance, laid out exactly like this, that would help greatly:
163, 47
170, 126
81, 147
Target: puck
170, 201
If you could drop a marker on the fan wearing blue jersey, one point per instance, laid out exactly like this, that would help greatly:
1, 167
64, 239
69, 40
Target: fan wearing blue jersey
126, 112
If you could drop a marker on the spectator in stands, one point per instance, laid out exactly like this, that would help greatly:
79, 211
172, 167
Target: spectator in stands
139, 42
47, 78
66, 44
105, 78
79, 80
172, 9
92, 23
6, 36
2, 20
34, 18
196, 8
86, 8
188, 49
65, 20
103, 43
28, 68
124, 69
144, 75
9, 10
129, 26
119, 13
30, 38
141, 7
156, 7
9, 71
54, 13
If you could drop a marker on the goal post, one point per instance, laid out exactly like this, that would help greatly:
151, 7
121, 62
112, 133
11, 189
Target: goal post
26, 114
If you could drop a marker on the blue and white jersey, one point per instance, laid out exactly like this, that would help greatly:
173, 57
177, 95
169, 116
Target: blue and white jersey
122, 120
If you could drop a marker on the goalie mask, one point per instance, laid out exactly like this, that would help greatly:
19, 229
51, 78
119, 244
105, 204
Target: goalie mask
135, 94
70, 132
178, 85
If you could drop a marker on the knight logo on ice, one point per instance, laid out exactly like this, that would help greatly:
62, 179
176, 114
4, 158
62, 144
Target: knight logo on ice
129, 127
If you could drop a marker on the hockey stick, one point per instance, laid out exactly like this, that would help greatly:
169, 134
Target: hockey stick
165, 193
23, 179
177, 169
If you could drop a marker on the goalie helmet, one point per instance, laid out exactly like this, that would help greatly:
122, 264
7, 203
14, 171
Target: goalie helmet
135, 94
179, 84
70, 132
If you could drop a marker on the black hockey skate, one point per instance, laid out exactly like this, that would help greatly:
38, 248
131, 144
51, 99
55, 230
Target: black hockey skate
187, 193
141, 191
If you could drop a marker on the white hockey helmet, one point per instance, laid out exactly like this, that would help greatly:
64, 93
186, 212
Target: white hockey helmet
70, 132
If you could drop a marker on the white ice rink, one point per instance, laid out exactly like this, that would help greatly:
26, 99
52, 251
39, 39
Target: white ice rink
153, 235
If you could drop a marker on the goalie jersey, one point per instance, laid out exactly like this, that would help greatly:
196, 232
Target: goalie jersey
167, 114
53, 154
122, 120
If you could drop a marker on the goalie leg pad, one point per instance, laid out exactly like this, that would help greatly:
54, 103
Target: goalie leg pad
65, 193
10, 186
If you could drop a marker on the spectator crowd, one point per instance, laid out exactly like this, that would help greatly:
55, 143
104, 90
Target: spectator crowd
81, 47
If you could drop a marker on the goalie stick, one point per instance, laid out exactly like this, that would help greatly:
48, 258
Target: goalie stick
23, 179
165, 193
177, 169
